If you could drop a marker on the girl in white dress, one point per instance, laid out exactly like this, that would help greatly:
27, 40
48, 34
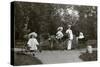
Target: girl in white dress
80, 39
70, 37
81, 36
59, 34
32, 42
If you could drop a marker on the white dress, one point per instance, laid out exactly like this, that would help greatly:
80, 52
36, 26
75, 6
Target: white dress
59, 35
32, 43
70, 34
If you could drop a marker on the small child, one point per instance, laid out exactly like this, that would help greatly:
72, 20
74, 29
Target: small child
81, 36
32, 42
80, 39
59, 34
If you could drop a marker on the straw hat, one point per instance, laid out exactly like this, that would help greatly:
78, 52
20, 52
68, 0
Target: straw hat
32, 34
69, 26
60, 28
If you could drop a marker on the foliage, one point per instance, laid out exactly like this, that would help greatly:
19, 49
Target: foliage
44, 18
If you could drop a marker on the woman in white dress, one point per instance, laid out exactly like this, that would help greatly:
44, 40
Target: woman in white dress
70, 37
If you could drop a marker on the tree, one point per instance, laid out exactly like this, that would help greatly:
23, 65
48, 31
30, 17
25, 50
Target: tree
45, 18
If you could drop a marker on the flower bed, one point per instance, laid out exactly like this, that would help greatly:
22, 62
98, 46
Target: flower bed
88, 56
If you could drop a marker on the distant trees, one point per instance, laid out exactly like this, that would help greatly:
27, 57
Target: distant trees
88, 21
45, 18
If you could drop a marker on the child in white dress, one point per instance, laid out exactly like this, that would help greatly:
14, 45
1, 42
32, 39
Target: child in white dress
70, 37
80, 39
59, 34
59, 37
81, 36
32, 42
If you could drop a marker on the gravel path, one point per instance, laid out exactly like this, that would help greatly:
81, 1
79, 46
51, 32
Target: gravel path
51, 57
58, 56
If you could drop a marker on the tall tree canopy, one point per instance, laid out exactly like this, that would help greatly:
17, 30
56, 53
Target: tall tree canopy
46, 17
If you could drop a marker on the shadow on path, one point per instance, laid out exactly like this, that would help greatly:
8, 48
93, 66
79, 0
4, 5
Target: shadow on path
21, 59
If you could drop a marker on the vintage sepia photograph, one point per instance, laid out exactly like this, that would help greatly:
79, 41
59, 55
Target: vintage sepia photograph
51, 33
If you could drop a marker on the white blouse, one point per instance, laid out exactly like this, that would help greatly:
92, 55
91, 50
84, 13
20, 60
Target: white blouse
81, 36
70, 34
59, 35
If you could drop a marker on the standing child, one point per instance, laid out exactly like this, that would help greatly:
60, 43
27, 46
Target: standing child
80, 39
59, 36
32, 42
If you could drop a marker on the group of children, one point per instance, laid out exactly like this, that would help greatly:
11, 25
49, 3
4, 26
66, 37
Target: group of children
33, 43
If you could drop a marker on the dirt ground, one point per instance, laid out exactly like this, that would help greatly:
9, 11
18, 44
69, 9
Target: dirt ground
49, 57
22, 59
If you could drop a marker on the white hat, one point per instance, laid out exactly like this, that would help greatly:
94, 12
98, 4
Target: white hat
60, 28
32, 34
69, 25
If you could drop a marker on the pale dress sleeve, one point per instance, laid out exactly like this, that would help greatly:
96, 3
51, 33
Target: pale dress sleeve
61, 35
67, 31
57, 33
29, 42
36, 42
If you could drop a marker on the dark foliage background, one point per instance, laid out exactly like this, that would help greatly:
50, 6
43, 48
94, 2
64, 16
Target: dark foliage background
45, 18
